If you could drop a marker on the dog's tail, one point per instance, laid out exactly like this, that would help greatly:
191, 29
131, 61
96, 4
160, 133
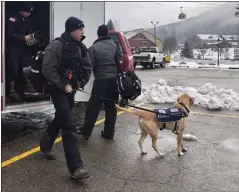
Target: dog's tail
137, 113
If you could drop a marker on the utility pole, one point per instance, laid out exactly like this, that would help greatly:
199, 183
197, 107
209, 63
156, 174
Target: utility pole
218, 51
236, 50
154, 24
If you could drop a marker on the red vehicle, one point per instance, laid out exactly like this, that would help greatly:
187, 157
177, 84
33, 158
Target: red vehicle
127, 62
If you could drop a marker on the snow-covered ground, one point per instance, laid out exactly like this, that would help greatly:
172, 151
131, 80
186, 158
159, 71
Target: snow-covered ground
198, 64
207, 96
209, 54
213, 55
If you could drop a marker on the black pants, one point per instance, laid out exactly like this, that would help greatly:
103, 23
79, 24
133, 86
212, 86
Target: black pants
66, 121
104, 88
16, 60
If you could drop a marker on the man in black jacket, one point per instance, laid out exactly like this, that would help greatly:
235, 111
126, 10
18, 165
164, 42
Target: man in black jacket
66, 66
18, 31
105, 57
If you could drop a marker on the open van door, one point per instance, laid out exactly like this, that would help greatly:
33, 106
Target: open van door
52, 23
92, 14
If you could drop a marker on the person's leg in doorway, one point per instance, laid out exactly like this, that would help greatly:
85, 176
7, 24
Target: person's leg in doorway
25, 68
13, 67
110, 111
100, 87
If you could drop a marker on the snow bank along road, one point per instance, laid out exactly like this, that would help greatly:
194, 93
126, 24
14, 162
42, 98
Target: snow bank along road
211, 163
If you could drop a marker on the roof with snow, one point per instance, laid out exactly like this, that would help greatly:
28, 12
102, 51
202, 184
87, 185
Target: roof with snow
209, 37
148, 35
234, 43
208, 43
129, 34
230, 37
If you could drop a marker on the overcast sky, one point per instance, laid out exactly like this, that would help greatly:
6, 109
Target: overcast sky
134, 15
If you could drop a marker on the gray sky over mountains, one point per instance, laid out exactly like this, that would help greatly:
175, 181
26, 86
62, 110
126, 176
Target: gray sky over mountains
134, 15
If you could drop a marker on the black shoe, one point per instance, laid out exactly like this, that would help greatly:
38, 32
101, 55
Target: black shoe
81, 133
106, 136
15, 97
48, 154
80, 174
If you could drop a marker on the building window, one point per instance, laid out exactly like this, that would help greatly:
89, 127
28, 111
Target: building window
144, 43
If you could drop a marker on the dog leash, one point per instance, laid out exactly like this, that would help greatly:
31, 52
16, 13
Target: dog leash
117, 102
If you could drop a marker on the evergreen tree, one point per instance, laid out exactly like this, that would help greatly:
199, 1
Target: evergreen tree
110, 25
187, 51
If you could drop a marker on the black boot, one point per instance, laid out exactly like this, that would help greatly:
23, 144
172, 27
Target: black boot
12, 92
80, 173
48, 154
46, 146
106, 136
29, 87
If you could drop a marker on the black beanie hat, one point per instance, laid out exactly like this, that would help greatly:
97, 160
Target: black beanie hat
26, 7
102, 31
73, 23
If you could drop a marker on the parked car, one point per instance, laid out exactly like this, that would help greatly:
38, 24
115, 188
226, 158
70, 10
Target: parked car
150, 56
127, 62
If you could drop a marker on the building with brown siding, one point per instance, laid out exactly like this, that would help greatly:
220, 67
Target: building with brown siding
142, 38
206, 41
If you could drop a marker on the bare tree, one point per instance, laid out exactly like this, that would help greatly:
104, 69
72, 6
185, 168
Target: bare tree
203, 52
224, 52
170, 45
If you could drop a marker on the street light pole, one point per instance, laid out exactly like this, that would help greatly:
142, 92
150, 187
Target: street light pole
236, 51
154, 24
218, 51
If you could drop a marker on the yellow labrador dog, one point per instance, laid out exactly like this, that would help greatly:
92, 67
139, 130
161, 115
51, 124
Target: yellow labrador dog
149, 122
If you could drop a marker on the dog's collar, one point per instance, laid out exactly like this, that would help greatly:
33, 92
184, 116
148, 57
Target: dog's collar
185, 107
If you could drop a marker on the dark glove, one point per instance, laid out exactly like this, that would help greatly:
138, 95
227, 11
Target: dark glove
81, 84
123, 102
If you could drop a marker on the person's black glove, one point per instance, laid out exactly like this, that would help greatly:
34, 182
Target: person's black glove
123, 102
81, 84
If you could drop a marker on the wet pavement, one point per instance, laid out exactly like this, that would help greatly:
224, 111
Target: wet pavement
211, 163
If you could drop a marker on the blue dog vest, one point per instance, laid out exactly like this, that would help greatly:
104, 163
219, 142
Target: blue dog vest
170, 114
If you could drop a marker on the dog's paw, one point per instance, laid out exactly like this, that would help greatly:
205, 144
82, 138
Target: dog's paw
184, 150
181, 154
161, 154
143, 152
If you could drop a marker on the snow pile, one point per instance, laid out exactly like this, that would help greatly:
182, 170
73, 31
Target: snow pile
207, 96
176, 55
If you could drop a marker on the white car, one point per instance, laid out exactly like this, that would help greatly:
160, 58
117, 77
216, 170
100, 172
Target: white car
149, 56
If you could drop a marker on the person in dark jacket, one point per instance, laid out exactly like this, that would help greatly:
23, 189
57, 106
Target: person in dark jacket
105, 57
66, 66
18, 35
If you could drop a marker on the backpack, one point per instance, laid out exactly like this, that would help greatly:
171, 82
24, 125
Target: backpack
36, 77
170, 114
128, 85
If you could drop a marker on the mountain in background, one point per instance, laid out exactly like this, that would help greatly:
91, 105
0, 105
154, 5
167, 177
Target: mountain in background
215, 21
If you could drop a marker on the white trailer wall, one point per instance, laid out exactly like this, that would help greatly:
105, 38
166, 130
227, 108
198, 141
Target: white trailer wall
92, 14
